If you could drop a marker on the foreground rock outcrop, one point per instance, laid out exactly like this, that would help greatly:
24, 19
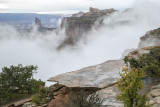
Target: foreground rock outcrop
99, 76
100, 79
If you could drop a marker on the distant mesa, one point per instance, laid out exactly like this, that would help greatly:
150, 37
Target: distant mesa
38, 22
40, 27
97, 12
94, 12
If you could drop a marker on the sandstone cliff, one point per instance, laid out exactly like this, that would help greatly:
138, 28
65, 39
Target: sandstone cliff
79, 24
150, 39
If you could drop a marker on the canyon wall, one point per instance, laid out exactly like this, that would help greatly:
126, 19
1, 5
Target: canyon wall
150, 39
80, 23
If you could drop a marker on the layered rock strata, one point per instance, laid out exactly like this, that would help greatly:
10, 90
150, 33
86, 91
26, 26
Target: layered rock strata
79, 24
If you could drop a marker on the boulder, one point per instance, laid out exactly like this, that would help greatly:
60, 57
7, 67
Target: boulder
98, 76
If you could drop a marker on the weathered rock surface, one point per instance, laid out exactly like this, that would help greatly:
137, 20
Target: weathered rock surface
99, 76
138, 52
109, 96
155, 93
150, 39
155, 96
89, 79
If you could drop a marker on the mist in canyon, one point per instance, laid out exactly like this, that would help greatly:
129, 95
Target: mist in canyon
121, 30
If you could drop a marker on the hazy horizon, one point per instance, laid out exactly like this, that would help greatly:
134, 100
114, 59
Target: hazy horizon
63, 6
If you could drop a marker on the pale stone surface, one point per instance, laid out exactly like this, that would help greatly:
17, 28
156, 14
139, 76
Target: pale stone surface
155, 96
156, 87
155, 93
150, 39
99, 76
109, 96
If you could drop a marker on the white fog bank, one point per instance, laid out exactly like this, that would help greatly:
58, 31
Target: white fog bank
121, 31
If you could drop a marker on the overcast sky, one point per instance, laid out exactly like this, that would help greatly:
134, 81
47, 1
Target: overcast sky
62, 6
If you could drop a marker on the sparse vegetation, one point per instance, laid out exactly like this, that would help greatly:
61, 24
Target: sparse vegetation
131, 83
84, 99
43, 96
149, 62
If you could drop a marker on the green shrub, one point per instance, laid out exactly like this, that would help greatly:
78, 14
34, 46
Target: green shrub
36, 99
149, 62
41, 97
130, 85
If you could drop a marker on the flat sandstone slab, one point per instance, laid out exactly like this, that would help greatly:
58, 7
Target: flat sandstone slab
98, 76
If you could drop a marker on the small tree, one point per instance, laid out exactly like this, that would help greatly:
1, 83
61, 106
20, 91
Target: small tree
130, 85
148, 62
17, 81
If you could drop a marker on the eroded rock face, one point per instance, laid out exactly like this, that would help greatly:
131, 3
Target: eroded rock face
150, 39
81, 23
63, 96
99, 76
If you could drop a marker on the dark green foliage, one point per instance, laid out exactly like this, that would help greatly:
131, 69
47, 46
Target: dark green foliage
130, 85
149, 62
133, 62
43, 96
40, 97
18, 81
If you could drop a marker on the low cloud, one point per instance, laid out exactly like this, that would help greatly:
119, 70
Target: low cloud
121, 30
